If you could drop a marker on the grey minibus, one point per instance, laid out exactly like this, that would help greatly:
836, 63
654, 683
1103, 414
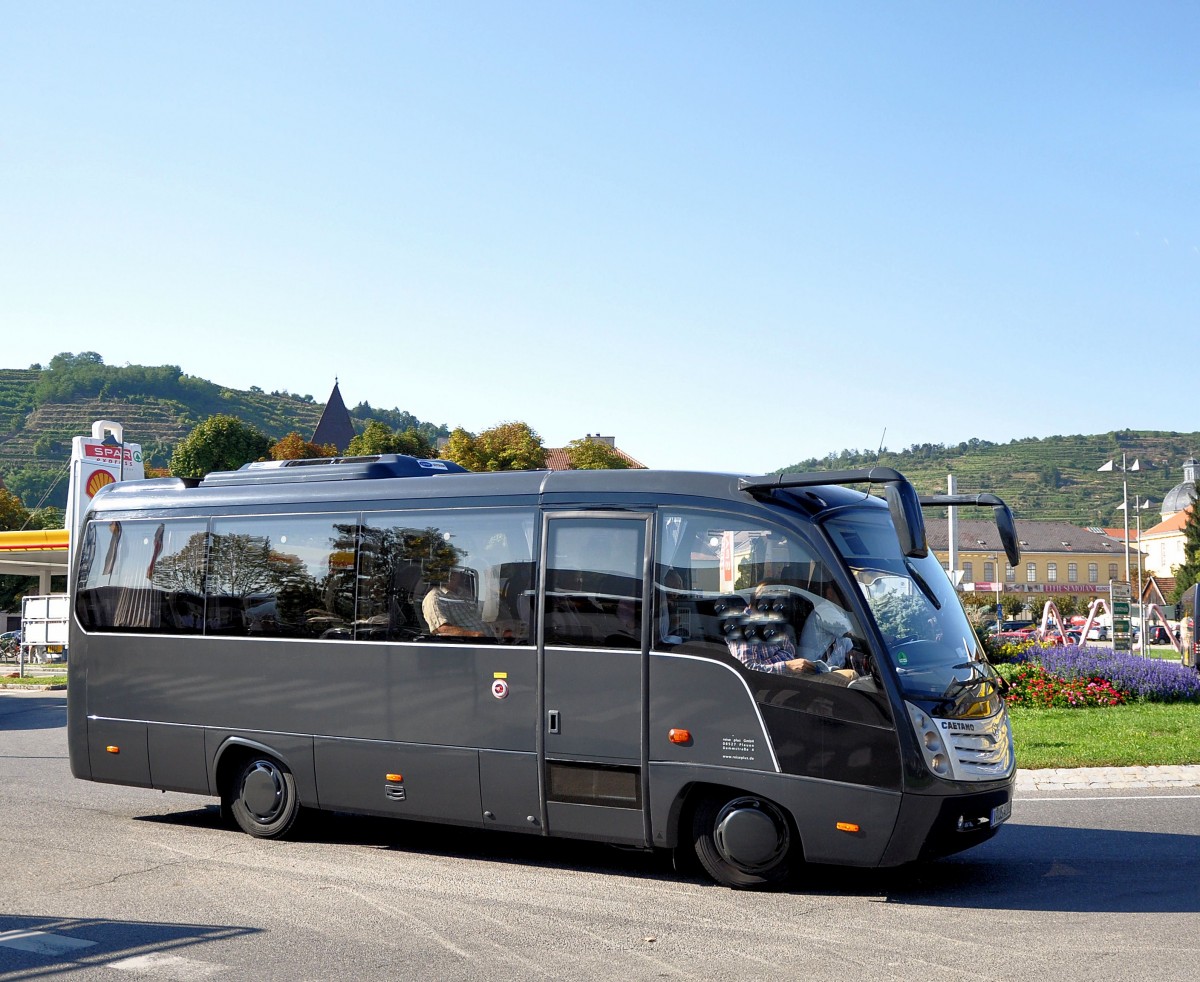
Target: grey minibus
753, 672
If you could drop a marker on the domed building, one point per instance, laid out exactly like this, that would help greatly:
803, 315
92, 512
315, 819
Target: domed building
1183, 494
1163, 545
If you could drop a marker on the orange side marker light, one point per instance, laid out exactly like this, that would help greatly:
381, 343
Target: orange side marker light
679, 735
113, 750
394, 778
848, 827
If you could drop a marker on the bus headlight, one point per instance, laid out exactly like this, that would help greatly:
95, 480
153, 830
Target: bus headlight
933, 746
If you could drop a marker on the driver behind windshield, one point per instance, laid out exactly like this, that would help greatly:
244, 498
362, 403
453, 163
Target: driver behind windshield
762, 635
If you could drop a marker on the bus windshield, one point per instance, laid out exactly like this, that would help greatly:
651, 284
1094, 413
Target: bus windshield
932, 646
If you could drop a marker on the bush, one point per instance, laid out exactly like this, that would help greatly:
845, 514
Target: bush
1014, 652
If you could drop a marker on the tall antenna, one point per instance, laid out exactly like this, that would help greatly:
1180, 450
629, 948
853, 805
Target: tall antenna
881, 438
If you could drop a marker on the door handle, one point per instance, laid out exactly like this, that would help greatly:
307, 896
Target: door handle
552, 721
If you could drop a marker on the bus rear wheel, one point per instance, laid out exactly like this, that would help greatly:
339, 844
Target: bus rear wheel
262, 798
743, 842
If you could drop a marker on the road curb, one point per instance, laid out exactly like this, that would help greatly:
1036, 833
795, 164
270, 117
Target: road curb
1091, 778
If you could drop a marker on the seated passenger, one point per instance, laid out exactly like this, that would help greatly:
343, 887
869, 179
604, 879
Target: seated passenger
450, 609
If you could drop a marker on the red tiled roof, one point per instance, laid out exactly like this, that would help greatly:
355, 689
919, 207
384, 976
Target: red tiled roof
1163, 586
558, 460
1173, 524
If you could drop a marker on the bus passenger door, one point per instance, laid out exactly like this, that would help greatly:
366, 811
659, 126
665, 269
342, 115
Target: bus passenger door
593, 643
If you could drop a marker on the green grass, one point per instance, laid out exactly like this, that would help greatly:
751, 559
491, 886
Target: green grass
12, 681
1145, 734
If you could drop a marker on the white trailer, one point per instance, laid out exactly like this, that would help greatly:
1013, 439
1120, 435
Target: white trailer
44, 627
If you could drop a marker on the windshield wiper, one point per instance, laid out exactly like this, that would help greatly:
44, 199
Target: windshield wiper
925, 587
959, 686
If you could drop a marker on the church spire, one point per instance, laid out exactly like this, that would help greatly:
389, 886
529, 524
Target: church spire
335, 425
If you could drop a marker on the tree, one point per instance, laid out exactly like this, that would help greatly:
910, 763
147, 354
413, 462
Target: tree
66, 359
1189, 573
219, 443
46, 518
414, 443
377, 437
13, 514
461, 449
1069, 604
507, 447
593, 455
1013, 604
295, 447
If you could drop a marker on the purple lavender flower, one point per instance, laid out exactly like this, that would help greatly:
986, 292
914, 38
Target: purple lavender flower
1142, 678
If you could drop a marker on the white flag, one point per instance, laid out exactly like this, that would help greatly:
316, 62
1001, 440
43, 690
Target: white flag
1135, 466
1106, 467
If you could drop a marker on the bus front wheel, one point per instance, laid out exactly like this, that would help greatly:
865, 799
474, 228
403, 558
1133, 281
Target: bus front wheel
743, 842
262, 798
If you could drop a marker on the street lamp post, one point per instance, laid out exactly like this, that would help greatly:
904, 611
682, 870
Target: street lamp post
996, 583
1121, 641
1135, 466
1141, 595
1139, 506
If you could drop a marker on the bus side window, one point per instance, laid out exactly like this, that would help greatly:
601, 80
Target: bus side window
594, 584
282, 576
445, 576
143, 576
733, 586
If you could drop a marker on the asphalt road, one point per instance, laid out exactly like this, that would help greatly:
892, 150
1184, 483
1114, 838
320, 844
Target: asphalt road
97, 879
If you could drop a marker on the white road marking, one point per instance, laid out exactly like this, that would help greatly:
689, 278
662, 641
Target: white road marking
42, 942
167, 966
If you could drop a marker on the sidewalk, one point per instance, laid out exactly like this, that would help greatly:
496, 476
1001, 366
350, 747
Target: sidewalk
1119, 778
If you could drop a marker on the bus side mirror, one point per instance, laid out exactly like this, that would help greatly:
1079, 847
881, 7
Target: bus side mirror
908, 519
1007, 527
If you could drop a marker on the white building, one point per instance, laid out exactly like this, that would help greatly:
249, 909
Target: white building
1163, 544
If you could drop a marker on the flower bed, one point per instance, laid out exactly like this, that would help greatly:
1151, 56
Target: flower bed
1032, 685
1147, 679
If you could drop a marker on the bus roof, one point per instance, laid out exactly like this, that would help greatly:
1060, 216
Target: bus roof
364, 481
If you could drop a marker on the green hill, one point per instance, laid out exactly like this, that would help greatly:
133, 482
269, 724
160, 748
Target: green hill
41, 410
1051, 478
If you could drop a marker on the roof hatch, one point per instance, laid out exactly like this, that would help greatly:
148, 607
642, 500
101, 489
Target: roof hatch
373, 467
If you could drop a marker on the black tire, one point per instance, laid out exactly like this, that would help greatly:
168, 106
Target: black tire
262, 798
744, 842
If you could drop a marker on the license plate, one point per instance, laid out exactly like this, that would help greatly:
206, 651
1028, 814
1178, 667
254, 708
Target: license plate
1001, 814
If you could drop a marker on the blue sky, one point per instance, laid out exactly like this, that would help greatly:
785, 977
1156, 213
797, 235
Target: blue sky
732, 235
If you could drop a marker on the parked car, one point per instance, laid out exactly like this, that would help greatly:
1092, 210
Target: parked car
1098, 632
10, 641
1158, 635
1074, 636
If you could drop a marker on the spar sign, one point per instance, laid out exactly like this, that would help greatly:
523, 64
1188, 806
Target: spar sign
97, 461
105, 464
